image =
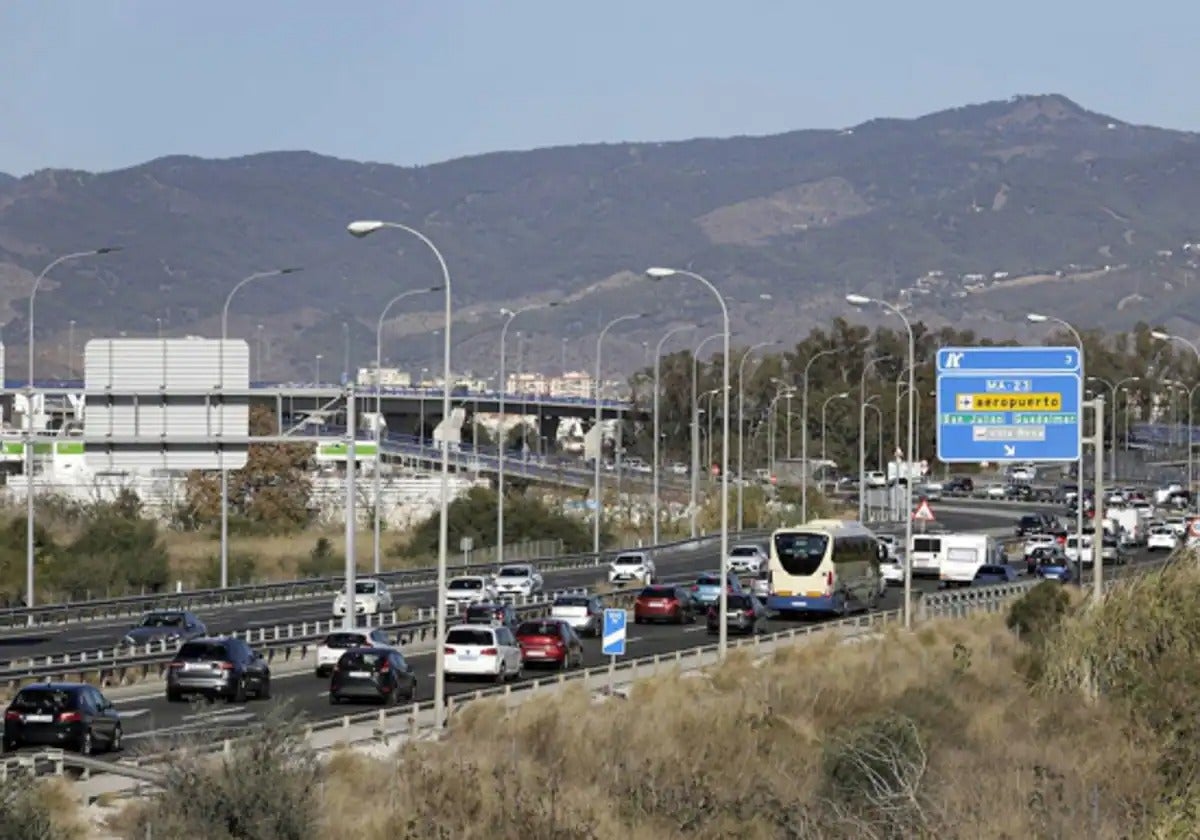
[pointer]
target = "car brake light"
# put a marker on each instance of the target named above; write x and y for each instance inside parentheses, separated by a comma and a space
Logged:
(448, 651)
(385, 668)
(69, 717)
(226, 666)
(488, 652)
(174, 666)
(12, 715)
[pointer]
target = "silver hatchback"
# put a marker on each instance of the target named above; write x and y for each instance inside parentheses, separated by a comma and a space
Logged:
(224, 667)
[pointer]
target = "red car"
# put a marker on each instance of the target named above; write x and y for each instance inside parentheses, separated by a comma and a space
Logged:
(550, 641)
(664, 603)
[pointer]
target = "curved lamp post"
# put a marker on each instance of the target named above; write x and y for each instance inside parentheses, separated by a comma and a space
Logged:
(258, 275)
(659, 273)
(29, 448)
(377, 479)
(365, 228)
(741, 412)
(657, 389)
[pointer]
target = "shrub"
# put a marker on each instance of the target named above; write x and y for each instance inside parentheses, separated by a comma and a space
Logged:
(322, 560)
(267, 788)
(30, 810)
(242, 569)
(1038, 613)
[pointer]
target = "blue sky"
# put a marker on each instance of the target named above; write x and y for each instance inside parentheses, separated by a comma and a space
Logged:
(104, 84)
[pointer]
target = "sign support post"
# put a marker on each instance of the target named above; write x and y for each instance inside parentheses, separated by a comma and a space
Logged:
(614, 641)
(1098, 516)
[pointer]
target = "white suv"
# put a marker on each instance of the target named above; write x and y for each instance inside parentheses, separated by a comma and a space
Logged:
(463, 591)
(370, 598)
(476, 650)
(519, 579)
(747, 559)
(631, 565)
(331, 648)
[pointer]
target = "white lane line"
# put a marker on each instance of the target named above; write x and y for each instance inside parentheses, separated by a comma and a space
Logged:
(694, 629)
(133, 713)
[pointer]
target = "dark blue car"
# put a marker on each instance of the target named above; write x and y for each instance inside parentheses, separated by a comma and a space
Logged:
(1058, 569)
(989, 574)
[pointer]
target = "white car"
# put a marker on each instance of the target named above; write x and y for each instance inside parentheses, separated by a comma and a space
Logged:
(892, 571)
(518, 579)
(476, 650)
(585, 613)
(931, 490)
(679, 468)
(331, 648)
(631, 565)
(996, 491)
(874, 478)
(761, 586)
(747, 559)
(1022, 474)
(371, 597)
(1038, 541)
(463, 591)
(1177, 524)
(1162, 538)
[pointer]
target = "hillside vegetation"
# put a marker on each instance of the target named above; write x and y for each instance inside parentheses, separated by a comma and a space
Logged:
(1056, 721)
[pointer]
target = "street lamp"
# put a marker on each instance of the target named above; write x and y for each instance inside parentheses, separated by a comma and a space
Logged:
(1164, 336)
(1037, 318)
(695, 434)
(657, 391)
(724, 599)
(870, 403)
(804, 430)
(709, 418)
(29, 542)
(365, 228)
(377, 479)
(1113, 388)
(862, 450)
(863, 300)
(741, 412)
(258, 275)
(825, 405)
(600, 431)
(501, 436)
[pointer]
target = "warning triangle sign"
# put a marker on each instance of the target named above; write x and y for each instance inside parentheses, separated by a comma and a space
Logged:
(923, 513)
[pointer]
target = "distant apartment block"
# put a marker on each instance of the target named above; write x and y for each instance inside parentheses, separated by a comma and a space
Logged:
(388, 377)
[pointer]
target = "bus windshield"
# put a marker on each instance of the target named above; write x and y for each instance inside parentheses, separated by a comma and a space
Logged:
(800, 554)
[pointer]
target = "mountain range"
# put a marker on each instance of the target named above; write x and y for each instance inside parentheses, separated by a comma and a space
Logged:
(970, 216)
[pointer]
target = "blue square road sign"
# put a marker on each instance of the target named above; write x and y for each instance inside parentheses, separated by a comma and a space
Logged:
(614, 632)
(1006, 404)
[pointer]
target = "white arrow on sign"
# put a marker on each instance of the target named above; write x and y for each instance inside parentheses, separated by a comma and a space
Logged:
(1009, 451)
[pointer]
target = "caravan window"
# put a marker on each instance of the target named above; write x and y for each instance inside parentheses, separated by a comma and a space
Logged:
(928, 545)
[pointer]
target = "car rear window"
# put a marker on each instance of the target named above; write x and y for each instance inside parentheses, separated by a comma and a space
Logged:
(345, 640)
(708, 580)
(993, 570)
(744, 551)
(45, 700)
(466, 583)
(163, 620)
(539, 628)
(657, 592)
(463, 636)
(203, 650)
(514, 571)
(629, 560)
(485, 612)
(367, 587)
(570, 601)
(365, 660)
(737, 602)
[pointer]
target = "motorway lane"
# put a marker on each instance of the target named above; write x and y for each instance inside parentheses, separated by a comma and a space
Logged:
(104, 634)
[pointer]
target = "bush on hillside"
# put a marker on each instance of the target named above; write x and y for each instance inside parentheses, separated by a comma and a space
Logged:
(322, 561)
(32, 810)
(474, 515)
(242, 568)
(267, 788)
(1038, 613)
(116, 550)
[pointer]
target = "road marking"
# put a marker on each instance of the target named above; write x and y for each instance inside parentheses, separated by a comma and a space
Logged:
(693, 629)
(133, 713)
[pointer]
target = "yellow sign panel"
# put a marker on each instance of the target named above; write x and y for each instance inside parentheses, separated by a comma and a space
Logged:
(1008, 402)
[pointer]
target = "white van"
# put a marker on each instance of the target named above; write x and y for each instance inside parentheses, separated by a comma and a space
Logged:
(926, 554)
(963, 554)
(1072, 549)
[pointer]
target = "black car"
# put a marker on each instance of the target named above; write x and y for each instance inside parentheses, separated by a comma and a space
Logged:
(743, 614)
(496, 615)
(72, 716)
(165, 626)
(958, 485)
(1030, 523)
(379, 674)
(224, 667)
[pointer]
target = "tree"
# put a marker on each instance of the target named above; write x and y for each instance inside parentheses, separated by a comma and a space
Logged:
(474, 515)
(272, 491)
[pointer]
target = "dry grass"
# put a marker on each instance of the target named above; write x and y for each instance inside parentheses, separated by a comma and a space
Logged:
(933, 734)
(746, 753)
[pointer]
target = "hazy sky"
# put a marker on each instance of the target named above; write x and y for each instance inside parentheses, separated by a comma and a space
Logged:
(103, 84)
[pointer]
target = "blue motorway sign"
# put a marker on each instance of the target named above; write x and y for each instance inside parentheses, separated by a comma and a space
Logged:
(1009, 404)
(614, 632)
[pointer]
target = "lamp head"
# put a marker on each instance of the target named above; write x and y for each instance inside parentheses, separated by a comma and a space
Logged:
(843, 395)
(659, 273)
(1160, 335)
(363, 228)
(857, 300)
(110, 249)
(290, 270)
(1035, 318)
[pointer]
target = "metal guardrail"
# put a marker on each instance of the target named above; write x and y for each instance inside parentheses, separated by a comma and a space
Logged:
(282, 643)
(125, 607)
(406, 721)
